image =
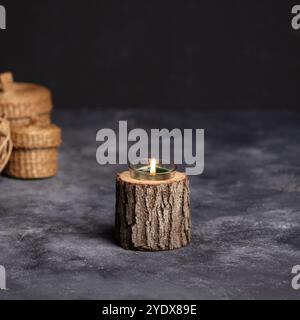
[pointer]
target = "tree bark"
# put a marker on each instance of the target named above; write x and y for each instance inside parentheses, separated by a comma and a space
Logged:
(152, 215)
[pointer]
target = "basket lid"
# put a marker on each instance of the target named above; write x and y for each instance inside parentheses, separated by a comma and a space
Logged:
(36, 137)
(18, 99)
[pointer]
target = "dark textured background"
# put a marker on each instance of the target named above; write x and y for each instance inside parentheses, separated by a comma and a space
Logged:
(202, 54)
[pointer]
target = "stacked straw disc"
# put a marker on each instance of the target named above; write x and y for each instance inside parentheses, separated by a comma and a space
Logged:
(35, 152)
(5, 143)
(19, 102)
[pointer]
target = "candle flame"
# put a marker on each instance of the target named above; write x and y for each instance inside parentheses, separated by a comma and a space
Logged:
(152, 166)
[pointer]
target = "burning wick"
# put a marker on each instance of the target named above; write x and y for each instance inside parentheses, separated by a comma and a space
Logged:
(152, 166)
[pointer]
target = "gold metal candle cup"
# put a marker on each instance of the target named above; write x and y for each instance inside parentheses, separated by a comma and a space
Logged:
(142, 171)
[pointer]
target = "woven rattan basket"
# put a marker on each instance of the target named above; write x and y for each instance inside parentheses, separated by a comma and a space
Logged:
(35, 153)
(5, 143)
(19, 102)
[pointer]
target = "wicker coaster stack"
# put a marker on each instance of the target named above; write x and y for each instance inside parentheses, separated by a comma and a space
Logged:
(19, 102)
(35, 152)
(35, 140)
(5, 143)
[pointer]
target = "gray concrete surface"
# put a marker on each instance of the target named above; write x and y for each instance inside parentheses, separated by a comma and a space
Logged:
(56, 235)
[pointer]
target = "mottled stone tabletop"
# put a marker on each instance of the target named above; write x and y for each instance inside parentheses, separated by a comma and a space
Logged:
(56, 235)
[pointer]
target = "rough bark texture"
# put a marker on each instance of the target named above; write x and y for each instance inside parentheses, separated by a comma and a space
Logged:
(152, 215)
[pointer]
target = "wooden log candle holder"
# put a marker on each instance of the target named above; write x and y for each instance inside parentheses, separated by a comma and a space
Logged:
(152, 215)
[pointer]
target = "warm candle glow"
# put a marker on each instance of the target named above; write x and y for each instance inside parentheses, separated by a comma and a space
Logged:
(153, 166)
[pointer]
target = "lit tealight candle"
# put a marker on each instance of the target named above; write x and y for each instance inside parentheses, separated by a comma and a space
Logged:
(153, 171)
